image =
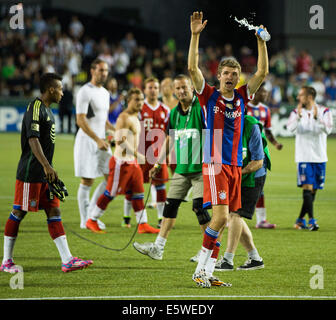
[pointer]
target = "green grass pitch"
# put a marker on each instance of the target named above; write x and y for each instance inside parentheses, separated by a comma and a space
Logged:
(288, 254)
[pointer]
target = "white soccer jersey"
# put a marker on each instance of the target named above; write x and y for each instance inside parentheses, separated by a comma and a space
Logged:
(94, 102)
(311, 134)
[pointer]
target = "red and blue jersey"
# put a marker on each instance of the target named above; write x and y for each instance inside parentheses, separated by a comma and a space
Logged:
(224, 122)
(261, 112)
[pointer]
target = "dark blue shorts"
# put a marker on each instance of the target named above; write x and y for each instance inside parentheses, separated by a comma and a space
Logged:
(311, 173)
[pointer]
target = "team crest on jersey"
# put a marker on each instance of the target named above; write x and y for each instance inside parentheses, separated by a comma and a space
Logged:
(237, 103)
(163, 115)
(222, 195)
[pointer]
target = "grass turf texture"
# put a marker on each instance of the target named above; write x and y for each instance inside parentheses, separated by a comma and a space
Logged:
(288, 253)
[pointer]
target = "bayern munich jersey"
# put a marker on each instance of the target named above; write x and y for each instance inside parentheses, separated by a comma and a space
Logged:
(311, 134)
(261, 112)
(224, 122)
(153, 117)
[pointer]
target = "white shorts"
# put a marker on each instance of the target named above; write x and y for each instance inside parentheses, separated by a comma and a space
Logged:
(90, 162)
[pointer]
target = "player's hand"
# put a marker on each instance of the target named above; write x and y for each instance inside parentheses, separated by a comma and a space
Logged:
(278, 146)
(102, 145)
(315, 112)
(299, 110)
(51, 174)
(153, 172)
(256, 33)
(196, 24)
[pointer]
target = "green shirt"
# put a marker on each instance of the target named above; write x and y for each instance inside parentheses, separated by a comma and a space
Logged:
(186, 130)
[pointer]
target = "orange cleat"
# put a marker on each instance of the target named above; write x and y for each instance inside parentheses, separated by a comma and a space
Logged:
(93, 226)
(146, 228)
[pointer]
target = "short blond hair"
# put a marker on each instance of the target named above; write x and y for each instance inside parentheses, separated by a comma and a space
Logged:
(151, 79)
(228, 62)
(131, 92)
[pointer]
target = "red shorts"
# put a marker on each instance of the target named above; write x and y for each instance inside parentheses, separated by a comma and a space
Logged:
(222, 186)
(33, 197)
(162, 176)
(124, 176)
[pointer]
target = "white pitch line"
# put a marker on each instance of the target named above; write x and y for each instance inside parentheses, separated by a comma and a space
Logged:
(179, 297)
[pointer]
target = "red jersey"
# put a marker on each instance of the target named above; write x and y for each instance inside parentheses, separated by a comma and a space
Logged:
(261, 112)
(224, 121)
(154, 122)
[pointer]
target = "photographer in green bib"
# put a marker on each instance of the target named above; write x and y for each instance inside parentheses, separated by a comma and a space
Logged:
(184, 131)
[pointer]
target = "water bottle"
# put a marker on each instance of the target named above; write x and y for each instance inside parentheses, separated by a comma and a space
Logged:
(263, 34)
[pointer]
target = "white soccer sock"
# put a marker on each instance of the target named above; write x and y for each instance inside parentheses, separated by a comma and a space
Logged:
(9, 243)
(210, 266)
(159, 208)
(203, 259)
(229, 257)
(141, 216)
(96, 194)
(254, 255)
(63, 248)
(83, 199)
(160, 242)
(260, 214)
(127, 208)
(96, 213)
(153, 194)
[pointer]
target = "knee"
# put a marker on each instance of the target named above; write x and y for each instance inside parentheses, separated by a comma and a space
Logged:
(171, 208)
(19, 213)
(202, 215)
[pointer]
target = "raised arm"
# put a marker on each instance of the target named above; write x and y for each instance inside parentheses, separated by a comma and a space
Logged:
(196, 27)
(262, 66)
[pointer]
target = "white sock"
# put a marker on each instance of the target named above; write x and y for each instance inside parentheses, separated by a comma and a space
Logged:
(153, 193)
(63, 248)
(96, 213)
(260, 214)
(254, 255)
(96, 194)
(229, 257)
(159, 208)
(127, 208)
(160, 242)
(9, 243)
(141, 216)
(83, 199)
(204, 256)
(210, 266)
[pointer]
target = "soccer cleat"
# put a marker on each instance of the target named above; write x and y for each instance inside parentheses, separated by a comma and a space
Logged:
(10, 267)
(201, 279)
(265, 225)
(215, 282)
(196, 257)
(76, 264)
(149, 249)
(146, 228)
(93, 226)
(223, 265)
(312, 225)
(252, 265)
(300, 224)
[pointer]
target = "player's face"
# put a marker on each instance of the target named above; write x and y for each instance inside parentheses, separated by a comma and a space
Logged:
(229, 78)
(262, 94)
(166, 87)
(302, 97)
(152, 90)
(136, 102)
(57, 92)
(183, 90)
(100, 73)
